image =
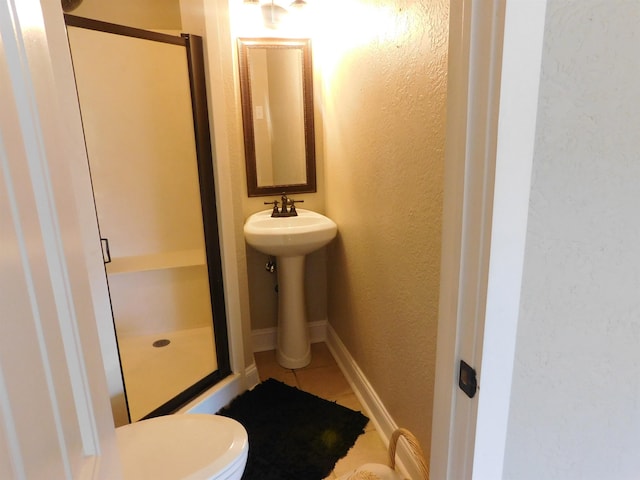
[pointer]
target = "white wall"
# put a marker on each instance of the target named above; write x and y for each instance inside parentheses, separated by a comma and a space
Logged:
(575, 404)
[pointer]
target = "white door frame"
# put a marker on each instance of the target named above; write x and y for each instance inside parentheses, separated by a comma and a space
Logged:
(472, 266)
(494, 68)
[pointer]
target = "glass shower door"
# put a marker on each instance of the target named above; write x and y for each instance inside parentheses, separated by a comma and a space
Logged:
(136, 106)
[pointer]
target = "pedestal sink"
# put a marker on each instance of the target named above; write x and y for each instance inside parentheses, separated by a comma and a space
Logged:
(289, 239)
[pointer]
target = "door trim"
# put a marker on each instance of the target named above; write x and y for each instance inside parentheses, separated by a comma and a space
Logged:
(519, 85)
(492, 108)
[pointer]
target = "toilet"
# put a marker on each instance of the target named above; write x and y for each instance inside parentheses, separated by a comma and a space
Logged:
(183, 447)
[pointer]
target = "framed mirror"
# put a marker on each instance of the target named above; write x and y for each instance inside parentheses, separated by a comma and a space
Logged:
(276, 83)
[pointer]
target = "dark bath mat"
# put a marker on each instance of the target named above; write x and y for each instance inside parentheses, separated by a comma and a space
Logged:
(293, 435)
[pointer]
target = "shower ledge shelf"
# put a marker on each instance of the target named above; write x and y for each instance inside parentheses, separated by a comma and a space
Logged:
(157, 261)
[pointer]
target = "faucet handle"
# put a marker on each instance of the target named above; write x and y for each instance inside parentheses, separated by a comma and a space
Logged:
(275, 212)
(293, 210)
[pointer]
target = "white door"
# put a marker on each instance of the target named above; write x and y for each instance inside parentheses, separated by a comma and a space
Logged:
(55, 418)
(494, 68)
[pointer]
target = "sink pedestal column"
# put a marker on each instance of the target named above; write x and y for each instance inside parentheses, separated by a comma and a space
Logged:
(294, 349)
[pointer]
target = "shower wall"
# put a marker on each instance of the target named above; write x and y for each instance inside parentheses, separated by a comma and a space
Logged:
(145, 180)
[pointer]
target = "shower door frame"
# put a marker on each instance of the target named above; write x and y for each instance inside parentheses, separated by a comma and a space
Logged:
(204, 155)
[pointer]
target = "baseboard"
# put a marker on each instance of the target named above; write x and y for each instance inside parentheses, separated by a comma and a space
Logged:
(378, 414)
(265, 339)
(251, 376)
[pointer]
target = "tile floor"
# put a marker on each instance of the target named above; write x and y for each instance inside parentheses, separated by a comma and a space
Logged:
(324, 379)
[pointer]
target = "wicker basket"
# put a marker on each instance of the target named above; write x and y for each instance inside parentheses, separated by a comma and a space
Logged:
(376, 471)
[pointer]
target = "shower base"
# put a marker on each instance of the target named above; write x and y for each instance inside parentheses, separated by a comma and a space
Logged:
(154, 375)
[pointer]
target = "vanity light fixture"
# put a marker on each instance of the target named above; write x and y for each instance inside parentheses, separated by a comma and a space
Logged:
(273, 14)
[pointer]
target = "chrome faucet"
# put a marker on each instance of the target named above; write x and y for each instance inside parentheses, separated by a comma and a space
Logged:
(288, 208)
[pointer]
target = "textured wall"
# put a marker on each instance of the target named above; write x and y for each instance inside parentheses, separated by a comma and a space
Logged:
(384, 121)
(575, 405)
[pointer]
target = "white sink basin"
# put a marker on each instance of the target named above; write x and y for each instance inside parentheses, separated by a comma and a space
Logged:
(289, 236)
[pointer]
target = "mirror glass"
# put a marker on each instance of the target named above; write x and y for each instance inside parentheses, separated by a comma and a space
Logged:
(276, 84)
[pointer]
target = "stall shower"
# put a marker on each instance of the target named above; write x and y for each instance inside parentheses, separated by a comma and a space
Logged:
(144, 114)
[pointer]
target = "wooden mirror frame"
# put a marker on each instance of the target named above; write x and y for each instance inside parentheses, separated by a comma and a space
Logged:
(244, 45)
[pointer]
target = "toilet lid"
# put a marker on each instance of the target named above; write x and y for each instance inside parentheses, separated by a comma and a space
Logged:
(181, 446)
